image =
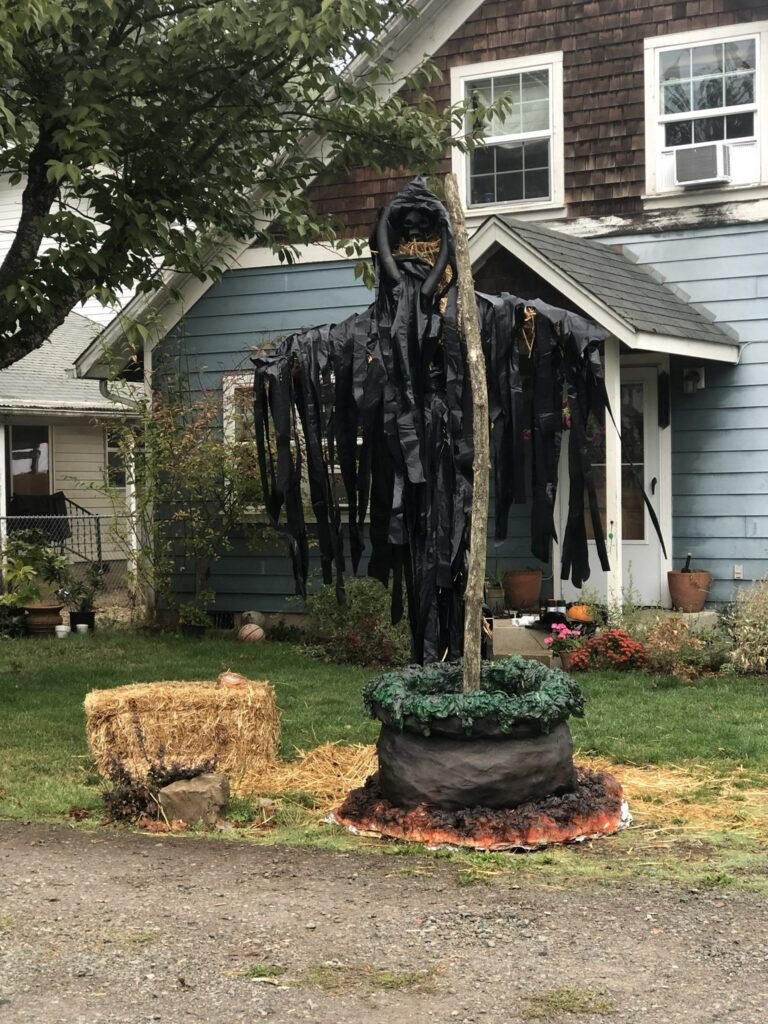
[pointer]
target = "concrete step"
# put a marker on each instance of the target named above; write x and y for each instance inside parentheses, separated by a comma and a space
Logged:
(510, 639)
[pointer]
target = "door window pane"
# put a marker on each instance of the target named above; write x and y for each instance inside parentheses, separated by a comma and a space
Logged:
(30, 460)
(632, 450)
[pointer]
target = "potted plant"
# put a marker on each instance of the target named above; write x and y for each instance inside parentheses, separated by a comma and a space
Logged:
(494, 591)
(564, 642)
(79, 590)
(29, 564)
(507, 743)
(689, 588)
(193, 619)
(522, 588)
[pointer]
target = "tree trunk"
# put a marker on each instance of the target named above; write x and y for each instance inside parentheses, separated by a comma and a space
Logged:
(470, 325)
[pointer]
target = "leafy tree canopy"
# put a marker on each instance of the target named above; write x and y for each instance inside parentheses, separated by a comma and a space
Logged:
(137, 129)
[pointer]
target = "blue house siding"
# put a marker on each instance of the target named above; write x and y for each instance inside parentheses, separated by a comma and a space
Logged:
(218, 335)
(720, 434)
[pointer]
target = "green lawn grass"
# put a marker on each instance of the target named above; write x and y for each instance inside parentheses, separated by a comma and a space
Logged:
(45, 768)
(44, 764)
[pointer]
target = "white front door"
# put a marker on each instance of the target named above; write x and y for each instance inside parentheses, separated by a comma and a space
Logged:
(642, 559)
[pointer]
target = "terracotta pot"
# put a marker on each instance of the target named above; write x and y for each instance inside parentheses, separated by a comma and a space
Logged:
(522, 588)
(566, 659)
(689, 590)
(43, 618)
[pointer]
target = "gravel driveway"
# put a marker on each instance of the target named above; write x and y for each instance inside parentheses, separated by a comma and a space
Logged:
(110, 927)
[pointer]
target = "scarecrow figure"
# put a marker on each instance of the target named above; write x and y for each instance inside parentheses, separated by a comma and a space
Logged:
(383, 400)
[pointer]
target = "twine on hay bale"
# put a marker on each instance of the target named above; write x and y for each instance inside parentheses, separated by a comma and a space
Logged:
(184, 722)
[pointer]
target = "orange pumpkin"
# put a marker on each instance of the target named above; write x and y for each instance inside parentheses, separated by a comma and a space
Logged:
(580, 613)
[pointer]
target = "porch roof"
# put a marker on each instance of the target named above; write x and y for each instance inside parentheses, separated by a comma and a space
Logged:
(43, 381)
(629, 300)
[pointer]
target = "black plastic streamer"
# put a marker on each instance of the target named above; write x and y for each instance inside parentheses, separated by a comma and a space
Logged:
(382, 401)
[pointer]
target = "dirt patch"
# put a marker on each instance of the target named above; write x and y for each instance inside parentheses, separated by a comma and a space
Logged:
(106, 928)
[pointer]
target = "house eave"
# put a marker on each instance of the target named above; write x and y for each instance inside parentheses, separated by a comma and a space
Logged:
(51, 412)
(494, 233)
(405, 42)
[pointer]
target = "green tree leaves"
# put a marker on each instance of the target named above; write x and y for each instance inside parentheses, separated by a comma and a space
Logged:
(141, 131)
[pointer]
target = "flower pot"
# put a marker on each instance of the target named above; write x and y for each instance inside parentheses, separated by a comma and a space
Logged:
(193, 630)
(43, 618)
(494, 597)
(566, 659)
(522, 588)
(689, 590)
(82, 619)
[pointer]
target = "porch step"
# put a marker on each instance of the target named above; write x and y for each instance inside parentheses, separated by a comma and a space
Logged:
(527, 643)
(708, 617)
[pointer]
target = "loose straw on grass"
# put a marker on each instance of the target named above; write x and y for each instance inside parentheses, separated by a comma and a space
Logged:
(664, 797)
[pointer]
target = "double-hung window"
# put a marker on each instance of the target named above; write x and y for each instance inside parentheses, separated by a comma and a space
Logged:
(706, 89)
(518, 162)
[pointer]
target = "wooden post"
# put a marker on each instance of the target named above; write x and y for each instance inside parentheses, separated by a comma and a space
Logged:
(481, 464)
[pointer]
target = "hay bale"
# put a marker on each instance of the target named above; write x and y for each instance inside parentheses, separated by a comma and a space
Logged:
(184, 722)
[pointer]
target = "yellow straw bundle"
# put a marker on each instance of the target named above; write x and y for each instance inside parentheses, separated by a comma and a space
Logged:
(188, 723)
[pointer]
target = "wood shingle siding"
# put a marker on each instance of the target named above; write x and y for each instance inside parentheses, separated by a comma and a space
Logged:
(602, 44)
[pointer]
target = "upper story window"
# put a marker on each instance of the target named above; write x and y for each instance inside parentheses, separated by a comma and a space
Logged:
(519, 163)
(705, 112)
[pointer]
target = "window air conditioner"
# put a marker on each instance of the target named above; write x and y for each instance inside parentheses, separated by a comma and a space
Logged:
(703, 165)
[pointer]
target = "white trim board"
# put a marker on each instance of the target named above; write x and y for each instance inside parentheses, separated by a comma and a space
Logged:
(495, 233)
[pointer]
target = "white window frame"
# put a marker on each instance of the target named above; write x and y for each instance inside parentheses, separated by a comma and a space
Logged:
(654, 126)
(108, 447)
(551, 62)
(232, 382)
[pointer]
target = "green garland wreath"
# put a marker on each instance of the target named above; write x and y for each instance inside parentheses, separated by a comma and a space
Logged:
(514, 691)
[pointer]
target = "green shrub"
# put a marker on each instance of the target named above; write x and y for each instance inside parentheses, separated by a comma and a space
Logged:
(744, 621)
(359, 632)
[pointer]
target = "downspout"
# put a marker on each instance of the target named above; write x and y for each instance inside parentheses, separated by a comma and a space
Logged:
(3, 485)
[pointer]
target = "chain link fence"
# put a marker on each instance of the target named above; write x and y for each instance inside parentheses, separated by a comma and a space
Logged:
(85, 539)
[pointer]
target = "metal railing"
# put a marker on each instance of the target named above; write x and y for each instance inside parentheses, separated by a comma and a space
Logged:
(83, 537)
(76, 533)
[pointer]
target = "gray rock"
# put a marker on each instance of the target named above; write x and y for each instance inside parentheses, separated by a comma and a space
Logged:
(200, 799)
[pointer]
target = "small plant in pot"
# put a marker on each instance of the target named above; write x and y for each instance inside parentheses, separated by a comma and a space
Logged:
(193, 619)
(30, 567)
(500, 746)
(688, 587)
(564, 641)
(522, 588)
(494, 592)
(79, 590)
